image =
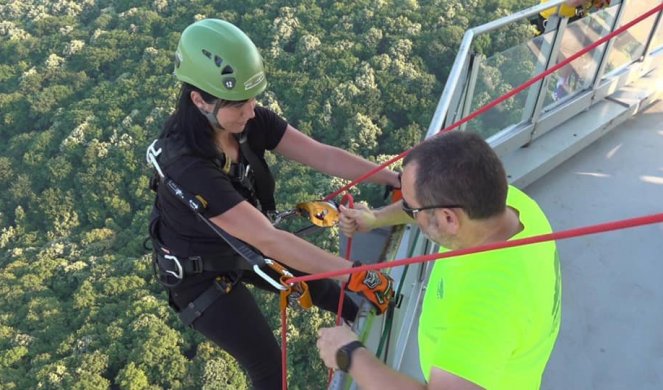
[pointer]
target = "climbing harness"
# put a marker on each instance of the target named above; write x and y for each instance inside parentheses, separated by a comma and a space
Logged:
(171, 269)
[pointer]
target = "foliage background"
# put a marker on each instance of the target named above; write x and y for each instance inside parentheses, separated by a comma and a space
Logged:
(84, 88)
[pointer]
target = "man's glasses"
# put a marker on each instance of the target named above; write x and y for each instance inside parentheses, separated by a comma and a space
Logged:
(412, 212)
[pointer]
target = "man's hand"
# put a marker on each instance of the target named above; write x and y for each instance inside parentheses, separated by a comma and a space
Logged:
(375, 286)
(330, 340)
(359, 219)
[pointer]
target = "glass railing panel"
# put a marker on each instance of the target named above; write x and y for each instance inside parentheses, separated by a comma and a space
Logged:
(497, 75)
(630, 45)
(579, 74)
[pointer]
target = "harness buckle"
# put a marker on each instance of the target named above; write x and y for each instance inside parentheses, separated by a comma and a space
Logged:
(196, 264)
(224, 283)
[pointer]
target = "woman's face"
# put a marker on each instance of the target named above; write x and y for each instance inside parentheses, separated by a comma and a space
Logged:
(233, 118)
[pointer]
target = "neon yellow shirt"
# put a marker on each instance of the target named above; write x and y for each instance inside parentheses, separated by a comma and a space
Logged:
(565, 10)
(493, 317)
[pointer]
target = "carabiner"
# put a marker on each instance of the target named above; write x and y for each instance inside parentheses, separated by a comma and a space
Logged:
(278, 217)
(273, 265)
(151, 156)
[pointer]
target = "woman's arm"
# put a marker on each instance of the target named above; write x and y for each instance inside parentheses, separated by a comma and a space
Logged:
(329, 159)
(246, 223)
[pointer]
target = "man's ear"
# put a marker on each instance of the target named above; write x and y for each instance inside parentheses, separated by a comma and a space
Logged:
(451, 220)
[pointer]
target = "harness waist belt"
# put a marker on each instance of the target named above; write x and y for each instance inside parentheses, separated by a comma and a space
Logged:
(197, 264)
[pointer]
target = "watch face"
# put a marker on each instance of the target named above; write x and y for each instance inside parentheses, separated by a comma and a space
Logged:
(343, 359)
(344, 355)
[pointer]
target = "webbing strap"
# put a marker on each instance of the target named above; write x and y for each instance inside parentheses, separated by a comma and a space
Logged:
(197, 307)
(264, 181)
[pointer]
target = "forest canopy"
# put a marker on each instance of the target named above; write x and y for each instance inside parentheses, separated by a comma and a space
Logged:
(84, 88)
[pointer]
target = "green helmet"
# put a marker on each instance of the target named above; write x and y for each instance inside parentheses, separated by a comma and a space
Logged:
(220, 59)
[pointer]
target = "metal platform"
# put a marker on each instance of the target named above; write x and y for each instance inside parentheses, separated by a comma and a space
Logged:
(612, 308)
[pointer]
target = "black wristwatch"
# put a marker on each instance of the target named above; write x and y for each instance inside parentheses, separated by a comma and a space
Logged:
(344, 355)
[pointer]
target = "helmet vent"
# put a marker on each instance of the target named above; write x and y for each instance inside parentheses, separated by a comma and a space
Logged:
(227, 70)
(207, 54)
(218, 60)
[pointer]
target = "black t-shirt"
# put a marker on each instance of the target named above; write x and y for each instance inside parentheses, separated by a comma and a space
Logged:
(179, 228)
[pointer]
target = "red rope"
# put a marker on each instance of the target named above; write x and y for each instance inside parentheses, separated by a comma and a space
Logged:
(503, 97)
(351, 204)
(284, 349)
(561, 235)
(349, 200)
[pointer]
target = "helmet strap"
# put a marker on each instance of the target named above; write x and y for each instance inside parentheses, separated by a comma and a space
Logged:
(212, 116)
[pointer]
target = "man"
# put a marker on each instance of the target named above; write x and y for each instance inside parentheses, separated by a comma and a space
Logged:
(488, 320)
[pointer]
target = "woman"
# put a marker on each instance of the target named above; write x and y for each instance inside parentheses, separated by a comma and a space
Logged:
(222, 73)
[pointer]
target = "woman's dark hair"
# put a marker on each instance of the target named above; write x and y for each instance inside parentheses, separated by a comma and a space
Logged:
(189, 126)
(460, 168)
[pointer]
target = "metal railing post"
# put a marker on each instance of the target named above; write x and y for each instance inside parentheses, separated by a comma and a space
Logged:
(466, 108)
(600, 70)
(560, 28)
(652, 36)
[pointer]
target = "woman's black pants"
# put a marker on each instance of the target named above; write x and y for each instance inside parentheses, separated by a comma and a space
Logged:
(235, 323)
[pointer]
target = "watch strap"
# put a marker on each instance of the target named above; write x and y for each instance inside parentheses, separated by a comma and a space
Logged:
(348, 349)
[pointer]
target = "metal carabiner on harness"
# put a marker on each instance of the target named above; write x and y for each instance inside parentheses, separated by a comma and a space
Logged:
(167, 269)
(273, 265)
(151, 156)
(277, 217)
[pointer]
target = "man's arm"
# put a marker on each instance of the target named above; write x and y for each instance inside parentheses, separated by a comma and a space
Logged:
(370, 373)
(367, 371)
(363, 219)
